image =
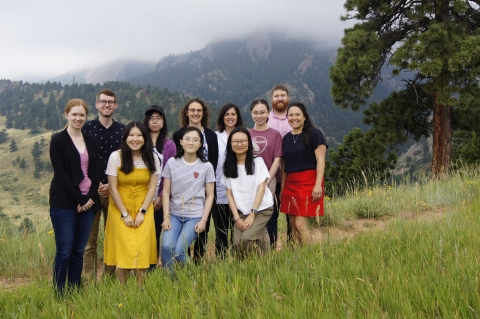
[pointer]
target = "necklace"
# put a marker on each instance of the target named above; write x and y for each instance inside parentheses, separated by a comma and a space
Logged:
(295, 139)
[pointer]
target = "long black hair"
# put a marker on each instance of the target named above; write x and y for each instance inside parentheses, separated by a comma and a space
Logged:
(307, 125)
(180, 150)
(147, 149)
(163, 131)
(221, 115)
(230, 168)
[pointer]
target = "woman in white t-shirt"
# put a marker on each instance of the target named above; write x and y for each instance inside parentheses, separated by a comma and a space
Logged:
(188, 193)
(250, 201)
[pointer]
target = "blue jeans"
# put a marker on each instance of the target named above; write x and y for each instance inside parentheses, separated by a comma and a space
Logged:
(71, 234)
(175, 242)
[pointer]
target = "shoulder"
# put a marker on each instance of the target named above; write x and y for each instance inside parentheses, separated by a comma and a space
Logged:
(118, 125)
(168, 142)
(209, 132)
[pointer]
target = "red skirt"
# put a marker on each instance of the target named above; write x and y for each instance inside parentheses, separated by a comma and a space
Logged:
(297, 195)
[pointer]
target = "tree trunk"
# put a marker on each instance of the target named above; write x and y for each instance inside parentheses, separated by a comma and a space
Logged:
(442, 139)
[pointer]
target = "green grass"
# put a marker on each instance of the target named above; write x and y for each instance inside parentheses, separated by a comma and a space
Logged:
(421, 268)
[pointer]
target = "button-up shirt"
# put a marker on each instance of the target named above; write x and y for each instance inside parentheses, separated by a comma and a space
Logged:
(108, 139)
(279, 124)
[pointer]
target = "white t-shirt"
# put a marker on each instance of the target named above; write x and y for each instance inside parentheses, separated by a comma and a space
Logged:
(245, 187)
(222, 138)
(158, 156)
(115, 161)
(188, 183)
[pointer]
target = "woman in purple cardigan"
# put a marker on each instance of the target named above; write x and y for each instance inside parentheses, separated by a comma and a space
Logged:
(164, 148)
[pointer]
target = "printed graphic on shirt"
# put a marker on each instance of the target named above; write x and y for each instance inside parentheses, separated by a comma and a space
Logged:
(259, 144)
(195, 175)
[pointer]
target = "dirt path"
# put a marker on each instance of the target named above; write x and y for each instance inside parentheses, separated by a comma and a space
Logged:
(348, 229)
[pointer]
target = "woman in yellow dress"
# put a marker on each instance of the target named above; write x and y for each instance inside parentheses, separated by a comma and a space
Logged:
(130, 242)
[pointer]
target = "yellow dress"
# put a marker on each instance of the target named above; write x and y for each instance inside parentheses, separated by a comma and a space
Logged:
(130, 247)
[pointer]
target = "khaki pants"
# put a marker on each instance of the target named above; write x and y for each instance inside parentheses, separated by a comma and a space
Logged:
(252, 238)
(90, 255)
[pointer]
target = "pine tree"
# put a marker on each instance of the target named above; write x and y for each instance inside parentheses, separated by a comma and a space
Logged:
(36, 151)
(13, 146)
(436, 42)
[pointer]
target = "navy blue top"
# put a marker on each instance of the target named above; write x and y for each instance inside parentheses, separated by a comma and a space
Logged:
(296, 155)
(108, 139)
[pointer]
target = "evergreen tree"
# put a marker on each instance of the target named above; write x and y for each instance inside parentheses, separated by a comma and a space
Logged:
(3, 136)
(36, 151)
(23, 163)
(13, 146)
(436, 41)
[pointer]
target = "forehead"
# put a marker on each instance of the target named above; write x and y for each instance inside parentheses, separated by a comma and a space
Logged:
(106, 97)
(77, 109)
(135, 130)
(191, 134)
(155, 113)
(195, 105)
(279, 92)
(295, 110)
(231, 111)
(260, 106)
(239, 136)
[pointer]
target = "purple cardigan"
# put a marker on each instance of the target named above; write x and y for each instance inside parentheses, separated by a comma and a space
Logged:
(169, 151)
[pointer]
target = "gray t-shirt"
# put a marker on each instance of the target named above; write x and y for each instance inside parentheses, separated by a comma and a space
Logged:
(188, 183)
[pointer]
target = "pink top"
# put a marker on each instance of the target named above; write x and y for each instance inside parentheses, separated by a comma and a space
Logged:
(86, 183)
(279, 124)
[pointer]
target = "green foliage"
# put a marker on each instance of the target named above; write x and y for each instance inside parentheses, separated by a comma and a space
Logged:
(435, 41)
(26, 227)
(13, 146)
(359, 156)
(466, 147)
(22, 163)
(36, 151)
(3, 136)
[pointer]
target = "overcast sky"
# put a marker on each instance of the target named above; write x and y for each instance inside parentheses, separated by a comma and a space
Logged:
(42, 39)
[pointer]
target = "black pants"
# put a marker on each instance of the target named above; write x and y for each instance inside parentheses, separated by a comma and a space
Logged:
(223, 221)
(272, 225)
(158, 219)
(200, 246)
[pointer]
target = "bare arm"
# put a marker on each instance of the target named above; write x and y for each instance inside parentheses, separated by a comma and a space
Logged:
(274, 168)
(233, 207)
(209, 190)
(256, 203)
(152, 187)
(320, 157)
(113, 182)
(167, 183)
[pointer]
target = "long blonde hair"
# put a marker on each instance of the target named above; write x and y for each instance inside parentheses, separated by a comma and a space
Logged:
(75, 102)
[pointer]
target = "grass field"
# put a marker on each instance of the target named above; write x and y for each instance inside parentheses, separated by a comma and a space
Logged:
(415, 267)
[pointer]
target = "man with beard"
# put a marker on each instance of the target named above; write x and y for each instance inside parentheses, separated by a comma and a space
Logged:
(109, 135)
(277, 119)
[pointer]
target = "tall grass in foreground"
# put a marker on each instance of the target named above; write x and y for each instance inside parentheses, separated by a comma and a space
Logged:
(412, 269)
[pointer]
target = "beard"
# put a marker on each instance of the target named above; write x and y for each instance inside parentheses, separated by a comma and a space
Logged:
(280, 106)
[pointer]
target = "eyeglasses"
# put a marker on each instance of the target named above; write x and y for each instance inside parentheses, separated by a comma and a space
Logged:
(103, 102)
(263, 113)
(195, 110)
(189, 139)
(236, 142)
(156, 119)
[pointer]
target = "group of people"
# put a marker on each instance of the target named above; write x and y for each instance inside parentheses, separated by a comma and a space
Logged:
(157, 195)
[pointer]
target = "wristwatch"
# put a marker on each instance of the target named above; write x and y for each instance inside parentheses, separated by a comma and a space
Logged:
(254, 211)
(124, 214)
(143, 210)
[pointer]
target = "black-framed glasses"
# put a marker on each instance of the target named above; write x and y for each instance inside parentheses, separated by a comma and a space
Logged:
(104, 102)
(236, 142)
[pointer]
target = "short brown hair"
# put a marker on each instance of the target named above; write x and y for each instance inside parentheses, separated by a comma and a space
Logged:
(107, 92)
(183, 117)
(280, 87)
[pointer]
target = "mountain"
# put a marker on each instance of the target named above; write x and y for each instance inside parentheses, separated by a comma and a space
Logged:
(242, 70)
(119, 70)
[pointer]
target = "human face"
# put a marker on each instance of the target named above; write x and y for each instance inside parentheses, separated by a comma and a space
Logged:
(106, 110)
(239, 143)
(191, 142)
(195, 113)
(280, 100)
(296, 119)
(76, 117)
(155, 122)
(260, 114)
(135, 140)
(230, 118)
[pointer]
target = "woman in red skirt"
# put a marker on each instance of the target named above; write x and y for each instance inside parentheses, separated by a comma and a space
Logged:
(304, 150)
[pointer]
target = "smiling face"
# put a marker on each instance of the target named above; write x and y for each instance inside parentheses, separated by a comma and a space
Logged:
(230, 119)
(191, 142)
(239, 143)
(195, 114)
(260, 114)
(135, 140)
(155, 122)
(296, 118)
(76, 117)
(280, 100)
(106, 105)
